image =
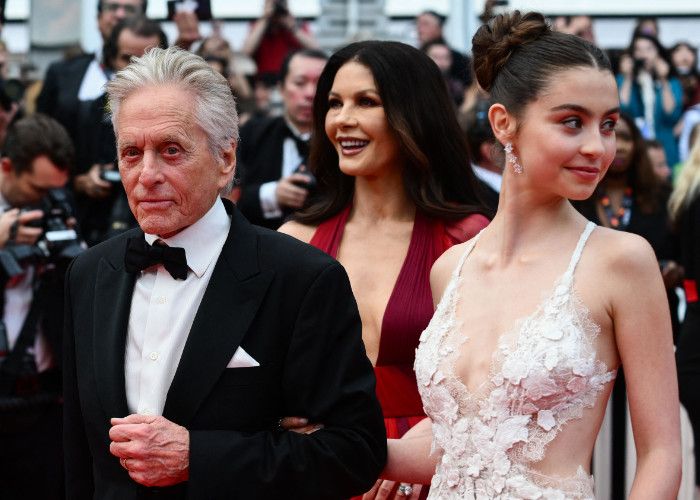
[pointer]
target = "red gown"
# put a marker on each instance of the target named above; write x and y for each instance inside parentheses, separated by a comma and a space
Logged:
(408, 311)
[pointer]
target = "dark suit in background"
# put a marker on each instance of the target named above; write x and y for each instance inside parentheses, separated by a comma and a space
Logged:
(291, 308)
(260, 156)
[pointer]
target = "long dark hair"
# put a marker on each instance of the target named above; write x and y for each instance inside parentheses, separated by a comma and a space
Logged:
(663, 53)
(437, 173)
(649, 191)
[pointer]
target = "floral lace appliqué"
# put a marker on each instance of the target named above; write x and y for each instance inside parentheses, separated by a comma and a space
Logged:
(543, 376)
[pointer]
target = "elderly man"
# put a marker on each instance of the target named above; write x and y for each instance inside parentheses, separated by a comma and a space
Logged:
(187, 344)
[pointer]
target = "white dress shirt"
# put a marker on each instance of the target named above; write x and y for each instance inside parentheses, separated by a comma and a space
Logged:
(18, 299)
(492, 179)
(163, 310)
(290, 161)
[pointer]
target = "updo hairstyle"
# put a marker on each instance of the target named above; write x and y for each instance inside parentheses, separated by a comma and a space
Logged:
(517, 55)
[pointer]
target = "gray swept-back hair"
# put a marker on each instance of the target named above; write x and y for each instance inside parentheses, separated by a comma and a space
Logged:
(215, 107)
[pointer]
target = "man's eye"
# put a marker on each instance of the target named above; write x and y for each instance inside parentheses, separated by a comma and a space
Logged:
(171, 150)
(130, 152)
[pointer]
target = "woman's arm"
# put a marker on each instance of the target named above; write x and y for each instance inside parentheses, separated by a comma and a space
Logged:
(642, 326)
(409, 458)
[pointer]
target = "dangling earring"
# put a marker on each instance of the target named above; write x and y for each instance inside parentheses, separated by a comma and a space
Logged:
(512, 159)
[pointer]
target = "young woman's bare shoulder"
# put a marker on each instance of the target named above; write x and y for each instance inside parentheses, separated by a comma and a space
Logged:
(299, 231)
(443, 267)
(624, 255)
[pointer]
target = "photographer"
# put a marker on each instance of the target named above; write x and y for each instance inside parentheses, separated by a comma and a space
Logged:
(35, 160)
(274, 35)
(272, 152)
(650, 92)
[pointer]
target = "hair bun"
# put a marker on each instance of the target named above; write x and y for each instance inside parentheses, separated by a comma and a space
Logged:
(494, 42)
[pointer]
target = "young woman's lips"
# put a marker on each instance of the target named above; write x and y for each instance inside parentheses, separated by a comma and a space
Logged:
(585, 173)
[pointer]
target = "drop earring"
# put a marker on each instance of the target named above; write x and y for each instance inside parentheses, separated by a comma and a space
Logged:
(512, 159)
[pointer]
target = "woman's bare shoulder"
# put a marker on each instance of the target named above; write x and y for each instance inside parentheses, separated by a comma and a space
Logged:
(300, 231)
(443, 268)
(623, 252)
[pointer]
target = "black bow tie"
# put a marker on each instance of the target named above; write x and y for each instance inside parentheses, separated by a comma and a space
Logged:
(140, 255)
(301, 144)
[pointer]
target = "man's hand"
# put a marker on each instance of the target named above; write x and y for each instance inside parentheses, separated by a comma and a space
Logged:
(14, 230)
(289, 194)
(299, 425)
(154, 450)
(91, 184)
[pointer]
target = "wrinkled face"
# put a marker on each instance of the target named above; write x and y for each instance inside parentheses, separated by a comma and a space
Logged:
(646, 51)
(170, 176)
(29, 187)
(624, 148)
(566, 138)
(428, 28)
(114, 11)
(299, 88)
(683, 59)
(131, 45)
(659, 163)
(441, 55)
(357, 126)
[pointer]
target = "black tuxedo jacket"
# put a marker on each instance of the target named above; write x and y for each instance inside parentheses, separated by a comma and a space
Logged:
(59, 93)
(259, 155)
(291, 308)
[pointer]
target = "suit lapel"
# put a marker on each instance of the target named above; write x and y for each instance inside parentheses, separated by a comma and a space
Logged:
(113, 293)
(233, 296)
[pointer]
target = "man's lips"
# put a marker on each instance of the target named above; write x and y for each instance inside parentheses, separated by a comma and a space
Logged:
(154, 203)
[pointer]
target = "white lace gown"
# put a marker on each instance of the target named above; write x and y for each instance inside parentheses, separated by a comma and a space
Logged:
(543, 374)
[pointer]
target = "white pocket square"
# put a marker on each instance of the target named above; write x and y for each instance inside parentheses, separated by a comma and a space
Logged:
(242, 359)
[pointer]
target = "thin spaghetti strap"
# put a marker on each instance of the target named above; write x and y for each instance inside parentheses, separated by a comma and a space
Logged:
(460, 264)
(578, 251)
(448, 295)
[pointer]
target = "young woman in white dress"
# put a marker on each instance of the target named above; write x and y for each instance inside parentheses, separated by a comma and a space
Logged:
(536, 314)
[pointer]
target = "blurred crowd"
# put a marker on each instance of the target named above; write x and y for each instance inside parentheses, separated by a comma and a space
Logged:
(652, 187)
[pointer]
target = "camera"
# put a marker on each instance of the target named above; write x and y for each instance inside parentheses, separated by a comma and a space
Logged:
(11, 91)
(58, 244)
(310, 185)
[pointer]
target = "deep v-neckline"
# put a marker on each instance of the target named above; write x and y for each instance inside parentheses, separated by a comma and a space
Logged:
(420, 223)
(518, 326)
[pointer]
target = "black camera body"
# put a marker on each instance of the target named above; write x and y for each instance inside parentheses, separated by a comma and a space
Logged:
(11, 92)
(58, 244)
(310, 184)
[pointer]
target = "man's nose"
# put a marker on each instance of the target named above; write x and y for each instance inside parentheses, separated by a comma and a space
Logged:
(151, 172)
(310, 91)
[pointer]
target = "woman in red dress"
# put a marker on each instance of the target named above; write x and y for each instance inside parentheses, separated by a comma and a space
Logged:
(395, 190)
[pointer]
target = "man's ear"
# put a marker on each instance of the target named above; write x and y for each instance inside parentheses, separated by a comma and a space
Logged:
(228, 160)
(502, 122)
